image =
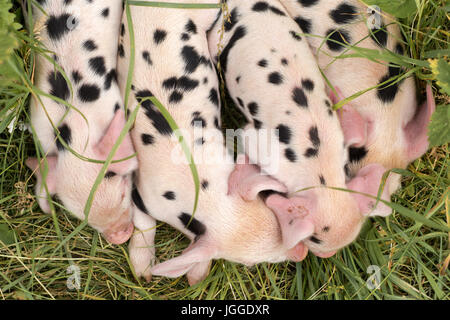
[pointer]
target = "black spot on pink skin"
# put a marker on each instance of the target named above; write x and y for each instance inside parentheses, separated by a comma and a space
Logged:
(147, 139)
(326, 229)
(192, 224)
(205, 184)
(260, 6)
(97, 64)
(308, 84)
(121, 51)
(146, 57)
(137, 200)
(322, 180)
(65, 134)
(58, 26)
(89, 45)
(76, 76)
(337, 39)
(198, 120)
(275, 78)
(169, 195)
(284, 133)
(388, 91)
(234, 15)
(105, 12)
(314, 136)
(190, 27)
(159, 36)
(216, 123)
(192, 59)
(156, 117)
(344, 13)
(110, 77)
(58, 85)
(295, 35)
(307, 3)
(262, 63)
(253, 108)
(185, 37)
(175, 97)
(284, 62)
(304, 24)
(238, 34)
(290, 155)
(311, 152)
(214, 97)
(299, 97)
(89, 92)
(379, 36)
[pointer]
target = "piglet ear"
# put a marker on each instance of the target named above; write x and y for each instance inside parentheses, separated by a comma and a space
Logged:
(125, 149)
(353, 125)
(416, 130)
(201, 252)
(294, 216)
(50, 179)
(368, 181)
(247, 180)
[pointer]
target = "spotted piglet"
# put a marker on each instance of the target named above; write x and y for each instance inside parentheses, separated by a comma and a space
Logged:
(384, 125)
(82, 38)
(172, 63)
(273, 77)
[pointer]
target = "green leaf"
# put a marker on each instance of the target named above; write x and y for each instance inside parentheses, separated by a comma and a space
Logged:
(397, 8)
(439, 129)
(6, 234)
(8, 40)
(441, 71)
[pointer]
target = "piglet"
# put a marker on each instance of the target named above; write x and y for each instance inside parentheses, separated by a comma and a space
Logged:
(384, 125)
(82, 38)
(172, 63)
(273, 77)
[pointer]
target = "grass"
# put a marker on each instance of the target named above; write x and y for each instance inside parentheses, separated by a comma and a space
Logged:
(412, 257)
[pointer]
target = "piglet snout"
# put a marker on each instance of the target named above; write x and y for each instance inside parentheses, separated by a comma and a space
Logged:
(294, 216)
(120, 236)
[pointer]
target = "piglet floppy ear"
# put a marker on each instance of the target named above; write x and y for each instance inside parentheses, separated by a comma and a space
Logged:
(368, 180)
(353, 125)
(125, 149)
(294, 216)
(50, 179)
(247, 180)
(199, 253)
(416, 130)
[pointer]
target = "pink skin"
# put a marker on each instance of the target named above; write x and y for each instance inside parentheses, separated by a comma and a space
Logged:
(120, 236)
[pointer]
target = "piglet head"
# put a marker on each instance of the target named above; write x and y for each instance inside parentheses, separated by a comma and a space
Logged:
(333, 222)
(72, 180)
(390, 138)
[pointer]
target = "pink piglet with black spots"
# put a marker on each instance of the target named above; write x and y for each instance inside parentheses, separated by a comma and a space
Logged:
(173, 64)
(273, 77)
(82, 38)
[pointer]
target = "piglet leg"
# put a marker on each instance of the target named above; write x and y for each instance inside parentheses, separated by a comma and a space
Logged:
(141, 247)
